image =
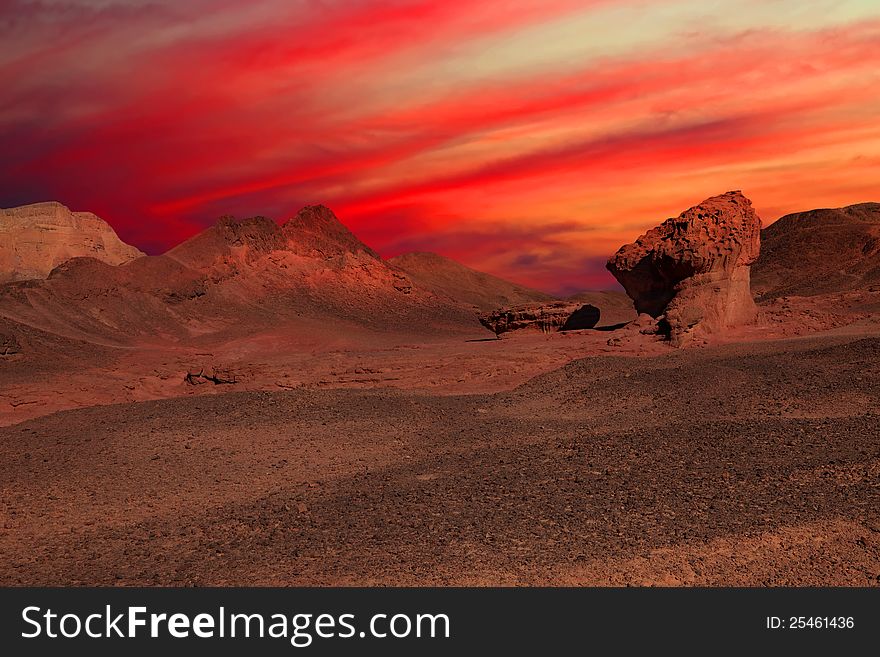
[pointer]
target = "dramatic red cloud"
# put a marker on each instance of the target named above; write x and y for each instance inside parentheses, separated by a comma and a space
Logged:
(528, 138)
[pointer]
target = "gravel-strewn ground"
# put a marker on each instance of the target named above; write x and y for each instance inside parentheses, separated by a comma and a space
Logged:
(740, 464)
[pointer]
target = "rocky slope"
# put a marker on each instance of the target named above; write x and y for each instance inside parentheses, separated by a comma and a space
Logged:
(445, 276)
(693, 270)
(34, 239)
(819, 251)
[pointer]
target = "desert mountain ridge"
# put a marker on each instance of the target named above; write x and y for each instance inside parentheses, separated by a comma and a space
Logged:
(235, 277)
(803, 253)
(314, 232)
(255, 271)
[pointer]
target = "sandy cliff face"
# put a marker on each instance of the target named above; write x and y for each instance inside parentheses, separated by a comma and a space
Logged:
(693, 270)
(34, 239)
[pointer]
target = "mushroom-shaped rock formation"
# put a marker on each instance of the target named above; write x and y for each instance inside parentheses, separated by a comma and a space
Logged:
(692, 272)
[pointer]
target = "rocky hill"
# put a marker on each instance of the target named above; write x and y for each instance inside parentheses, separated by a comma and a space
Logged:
(819, 251)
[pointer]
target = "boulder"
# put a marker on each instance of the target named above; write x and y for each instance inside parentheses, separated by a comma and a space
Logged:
(692, 272)
(547, 317)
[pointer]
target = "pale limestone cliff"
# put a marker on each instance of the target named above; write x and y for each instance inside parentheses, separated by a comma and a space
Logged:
(34, 239)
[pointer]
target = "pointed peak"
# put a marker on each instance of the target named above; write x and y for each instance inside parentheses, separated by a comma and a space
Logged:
(316, 214)
(317, 228)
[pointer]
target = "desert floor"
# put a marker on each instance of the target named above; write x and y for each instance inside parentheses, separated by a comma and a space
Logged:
(591, 458)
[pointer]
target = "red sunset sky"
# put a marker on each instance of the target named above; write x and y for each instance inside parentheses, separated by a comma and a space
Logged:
(527, 138)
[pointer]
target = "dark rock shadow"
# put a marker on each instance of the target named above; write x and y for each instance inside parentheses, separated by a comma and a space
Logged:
(585, 317)
(612, 327)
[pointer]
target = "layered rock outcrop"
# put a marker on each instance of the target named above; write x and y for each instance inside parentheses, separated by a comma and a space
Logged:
(692, 272)
(548, 317)
(34, 239)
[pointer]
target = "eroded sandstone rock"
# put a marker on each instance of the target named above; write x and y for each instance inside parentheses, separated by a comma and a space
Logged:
(35, 239)
(546, 317)
(692, 272)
